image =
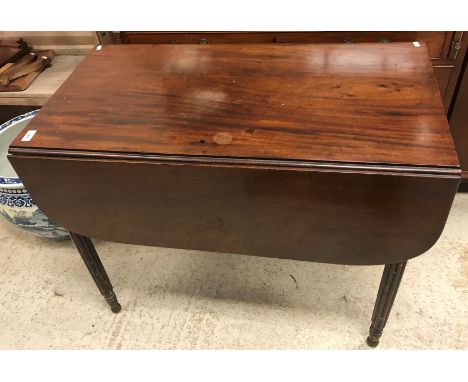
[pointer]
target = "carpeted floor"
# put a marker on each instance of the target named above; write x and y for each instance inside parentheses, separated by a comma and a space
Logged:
(197, 300)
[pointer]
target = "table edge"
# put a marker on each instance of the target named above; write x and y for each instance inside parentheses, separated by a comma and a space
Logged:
(360, 167)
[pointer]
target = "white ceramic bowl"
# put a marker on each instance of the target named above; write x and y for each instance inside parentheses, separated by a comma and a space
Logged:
(15, 203)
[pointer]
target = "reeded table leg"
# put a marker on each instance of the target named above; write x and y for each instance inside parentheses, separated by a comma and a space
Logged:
(388, 289)
(93, 263)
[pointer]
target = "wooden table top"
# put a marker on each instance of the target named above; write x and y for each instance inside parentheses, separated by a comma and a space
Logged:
(356, 103)
(332, 153)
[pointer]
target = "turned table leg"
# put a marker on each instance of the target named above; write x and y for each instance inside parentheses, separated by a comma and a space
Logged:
(388, 289)
(93, 263)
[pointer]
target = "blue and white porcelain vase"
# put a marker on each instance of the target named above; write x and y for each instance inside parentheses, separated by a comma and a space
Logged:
(15, 203)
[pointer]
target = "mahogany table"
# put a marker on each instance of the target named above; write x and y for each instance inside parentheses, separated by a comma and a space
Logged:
(328, 153)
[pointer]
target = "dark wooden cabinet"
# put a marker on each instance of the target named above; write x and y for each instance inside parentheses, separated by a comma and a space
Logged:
(435, 40)
(447, 50)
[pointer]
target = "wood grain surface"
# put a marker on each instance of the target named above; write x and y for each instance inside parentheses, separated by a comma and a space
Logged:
(362, 103)
(342, 217)
(338, 154)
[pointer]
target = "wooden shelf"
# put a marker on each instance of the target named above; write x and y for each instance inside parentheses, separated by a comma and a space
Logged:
(45, 84)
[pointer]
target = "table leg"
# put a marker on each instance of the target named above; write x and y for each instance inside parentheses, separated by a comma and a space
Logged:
(388, 289)
(93, 263)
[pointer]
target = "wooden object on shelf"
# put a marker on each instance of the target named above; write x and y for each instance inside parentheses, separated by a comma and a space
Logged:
(329, 153)
(69, 47)
(75, 43)
(5, 67)
(45, 84)
(11, 50)
(19, 77)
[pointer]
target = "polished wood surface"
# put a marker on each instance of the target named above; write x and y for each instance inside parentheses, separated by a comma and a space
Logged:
(442, 75)
(362, 103)
(442, 45)
(447, 50)
(344, 216)
(195, 150)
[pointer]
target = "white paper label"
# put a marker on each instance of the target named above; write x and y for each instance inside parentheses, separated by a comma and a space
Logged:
(416, 44)
(28, 136)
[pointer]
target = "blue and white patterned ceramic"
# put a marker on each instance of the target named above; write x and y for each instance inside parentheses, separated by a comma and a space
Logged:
(15, 203)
